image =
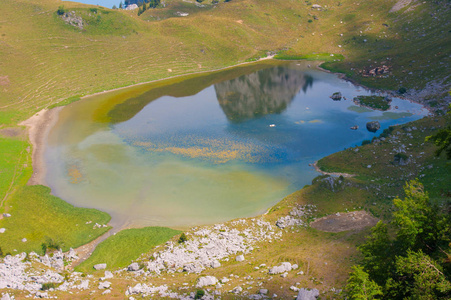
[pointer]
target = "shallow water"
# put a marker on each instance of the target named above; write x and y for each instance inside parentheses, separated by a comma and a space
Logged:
(207, 148)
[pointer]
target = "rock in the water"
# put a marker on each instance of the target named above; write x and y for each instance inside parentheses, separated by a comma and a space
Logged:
(100, 267)
(305, 294)
(336, 96)
(240, 258)
(206, 281)
(355, 127)
(373, 126)
(133, 267)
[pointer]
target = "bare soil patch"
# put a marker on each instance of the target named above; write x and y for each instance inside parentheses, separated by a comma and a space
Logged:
(355, 220)
(4, 80)
(12, 132)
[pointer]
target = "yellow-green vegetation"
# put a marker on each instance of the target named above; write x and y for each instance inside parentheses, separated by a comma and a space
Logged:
(15, 165)
(119, 250)
(379, 167)
(375, 102)
(41, 218)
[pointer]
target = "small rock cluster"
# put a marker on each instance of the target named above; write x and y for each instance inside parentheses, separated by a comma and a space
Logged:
(296, 216)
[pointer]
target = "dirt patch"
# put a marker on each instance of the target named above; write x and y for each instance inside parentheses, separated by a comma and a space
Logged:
(12, 132)
(339, 222)
(4, 80)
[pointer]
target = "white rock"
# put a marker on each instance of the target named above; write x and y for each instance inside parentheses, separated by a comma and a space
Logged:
(108, 275)
(2, 230)
(215, 264)
(206, 281)
(284, 267)
(240, 258)
(6, 297)
(224, 280)
(305, 294)
(293, 288)
(263, 291)
(104, 285)
(106, 292)
(100, 267)
(133, 267)
(294, 267)
(24, 240)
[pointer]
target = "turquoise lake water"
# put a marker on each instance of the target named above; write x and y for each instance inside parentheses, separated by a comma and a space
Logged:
(209, 148)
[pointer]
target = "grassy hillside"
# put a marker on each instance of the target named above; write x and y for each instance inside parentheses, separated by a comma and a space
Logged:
(45, 60)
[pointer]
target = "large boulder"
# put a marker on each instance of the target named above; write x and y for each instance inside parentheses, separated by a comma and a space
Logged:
(206, 281)
(100, 267)
(133, 267)
(305, 294)
(373, 126)
(284, 267)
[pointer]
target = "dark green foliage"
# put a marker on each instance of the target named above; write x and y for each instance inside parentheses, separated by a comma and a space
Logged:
(442, 139)
(378, 253)
(366, 142)
(360, 286)
(1, 252)
(417, 276)
(415, 264)
(61, 11)
(387, 132)
(93, 10)
(183, 238)
(48, 286)
(199, 294)
(402, 90)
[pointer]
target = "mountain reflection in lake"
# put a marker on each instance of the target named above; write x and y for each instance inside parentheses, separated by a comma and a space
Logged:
(207, 148)
(267, 91)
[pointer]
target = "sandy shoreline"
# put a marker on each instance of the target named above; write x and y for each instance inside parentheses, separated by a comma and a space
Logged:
(39, 127)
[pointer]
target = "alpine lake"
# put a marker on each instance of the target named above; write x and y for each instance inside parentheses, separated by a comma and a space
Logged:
(208, 147)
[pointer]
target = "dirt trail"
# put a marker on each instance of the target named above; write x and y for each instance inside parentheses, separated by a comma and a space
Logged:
(315, 165)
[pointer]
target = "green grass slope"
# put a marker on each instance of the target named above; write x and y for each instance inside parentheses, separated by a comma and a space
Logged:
(120, 249)
(40, 217)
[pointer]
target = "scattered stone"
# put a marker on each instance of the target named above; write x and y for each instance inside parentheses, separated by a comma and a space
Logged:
(293, 288)
(336, 96)
(6, 215)
(24, 240)
(2, 230)
(133, 267)
(206, 281)
(373, 126)
(240, 258)
(108, 275)
(104, 285)
(72, 19)
(305, 294)
(263, 291)
(215, 264)
(100, 267)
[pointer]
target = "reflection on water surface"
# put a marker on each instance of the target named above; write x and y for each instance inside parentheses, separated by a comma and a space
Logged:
(207, 148)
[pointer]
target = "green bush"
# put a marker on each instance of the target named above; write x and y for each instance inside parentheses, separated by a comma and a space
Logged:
(48, 286)
(199, 294)
(402, 90)
(61, 11)
(183, 238)
(366, 142)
